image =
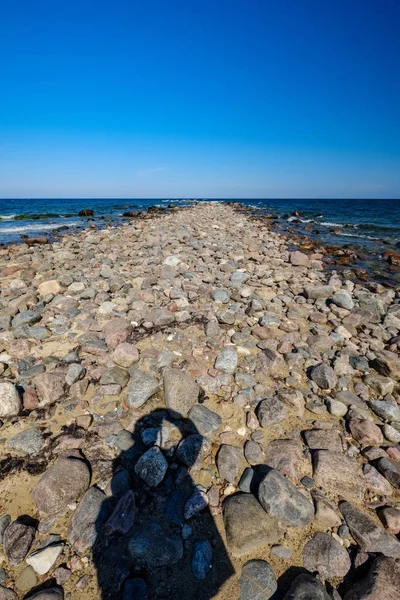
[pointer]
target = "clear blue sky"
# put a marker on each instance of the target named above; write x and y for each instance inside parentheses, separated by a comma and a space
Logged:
(200, 98)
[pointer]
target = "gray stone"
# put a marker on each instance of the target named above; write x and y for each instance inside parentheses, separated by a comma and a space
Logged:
(202, 559)
(17, 540)
(281, 499)
(115, 376)
(380, 583)
(247, 526)
(7, 594)
(281, 551)
(323, 439)
(50, 387)
(229, 460)
(238, 279)
(205, 420)
(227, 360)
(62, 484)
(75, 373)
(343, 299)
(306, 587)
(385, 409)
(29, 441)
(88, 520)
(325, 555)
(151, 546)
(270, 411)
(221, 295)
(190, 449)
(10, 401)
(369, 535)
(181, 392)
(142, 386)
(390, 469)
(257, 581)
(315, 291)
(27, 317)
(324, 376)
(337, 473)
(55, 593)
(152, 466)
(269, 320)
(161, 317)
(254, 453)
(5, 520)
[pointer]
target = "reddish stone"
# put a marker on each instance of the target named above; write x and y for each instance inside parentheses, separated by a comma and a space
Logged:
(30, 399)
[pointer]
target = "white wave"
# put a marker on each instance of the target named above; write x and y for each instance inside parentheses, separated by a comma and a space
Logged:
(363, 237)
(35, 227)
(329, 224)
(7, 217)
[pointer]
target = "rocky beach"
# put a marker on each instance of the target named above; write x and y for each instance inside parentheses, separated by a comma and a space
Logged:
(191, 408)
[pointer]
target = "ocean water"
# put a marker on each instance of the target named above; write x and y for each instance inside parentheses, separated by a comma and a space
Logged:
(372, 226)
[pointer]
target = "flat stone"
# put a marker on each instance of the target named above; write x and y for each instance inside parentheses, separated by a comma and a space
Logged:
(338, 474)
(323, 439)
(161, 317)
(205, 420)
(152, 547)
(75, 373)
(26, 317)
(229, 460)
(257, 581)
(26, 580)
(365, 432)
(315, 291)
(270, 411)
(369, 535)
(181, 392)
(142, 386)
(381, 385)
(10, 401)
(42, 560)
(152, 466)
(299, 259)
(62, 484)
(17, 540)
(29, 441)
(281, 499)
(325, 555)
(88, 520)
(221, 295)
(115, 376)
(248, 527)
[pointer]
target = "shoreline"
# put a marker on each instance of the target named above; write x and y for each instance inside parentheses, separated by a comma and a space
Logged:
(204, 311)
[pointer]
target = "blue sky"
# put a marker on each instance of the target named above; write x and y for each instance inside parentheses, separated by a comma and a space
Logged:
(200, 98)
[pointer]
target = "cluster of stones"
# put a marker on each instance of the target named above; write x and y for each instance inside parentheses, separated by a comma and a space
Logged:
(196, 345)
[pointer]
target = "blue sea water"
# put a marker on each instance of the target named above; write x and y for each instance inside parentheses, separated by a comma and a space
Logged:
(372, 225)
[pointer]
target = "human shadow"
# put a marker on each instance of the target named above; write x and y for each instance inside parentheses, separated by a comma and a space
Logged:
(148, 545)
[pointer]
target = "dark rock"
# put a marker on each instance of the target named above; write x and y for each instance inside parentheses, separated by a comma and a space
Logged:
(380, 583)
(202, 559)
(29, 441)
(152, 466)
(391, 470)
(270, 411)
(122, 517)
(324, 376)
(17, 540)
(306, 587)
(323, 439)
(135, 589)
(281, 499)
(323, 554)
(257, 581)
(86, 212)
(151, 546)
(88, 520)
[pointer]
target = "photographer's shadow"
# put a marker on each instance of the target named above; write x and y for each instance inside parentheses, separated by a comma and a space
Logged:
(151, 546)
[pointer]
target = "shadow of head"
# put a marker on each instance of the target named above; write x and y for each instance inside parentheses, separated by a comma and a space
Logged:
(155, 534)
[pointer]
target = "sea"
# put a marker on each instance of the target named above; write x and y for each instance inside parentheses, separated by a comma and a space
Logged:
(370, 226)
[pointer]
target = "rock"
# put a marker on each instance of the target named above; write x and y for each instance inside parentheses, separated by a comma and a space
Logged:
(75, 373)
(55, 593)
(238, 279)
(269, 320)
(390, 469)
(114, 376)
(152, 466)
(61, 485)
(314, 292)
(306, 587)
(229, 460)
(343, 299)
(257, 581)
(181, 392)
(42, 560)
(227, 360)
(254, 453)
(152, 547)
(10, 401)
(197, 502)
(323, 439)
(7, 594)
(247, 526)
(134, 589)
(335, 472)
(50, 287)
(27, 317)
(29, 441)
(376, 482)
(142, 386)
(326, 514)
(205, 420)
(281, 551)
(123, 516)
(298, 259)
(26, 580)
(161, 317)
(391, 433)
(281, 499)
(365, 432)
(270, 411)
(380, 583)
(5, 520)
(287, 457)
(323, 554)
(190, 449)
(381, 385)
(390, 517)
(370, 536)
(202, 559)
(125, 355)
(221, 295)
(385, 409)
(50, 387)
(88, 520)
(86, 212)
(17, 540)
(324, 376)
